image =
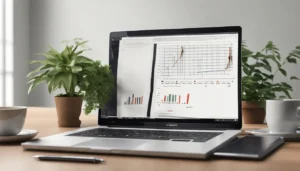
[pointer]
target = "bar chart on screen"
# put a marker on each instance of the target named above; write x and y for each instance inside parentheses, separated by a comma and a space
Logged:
(134, 100)
(176, 99)
(171, 102)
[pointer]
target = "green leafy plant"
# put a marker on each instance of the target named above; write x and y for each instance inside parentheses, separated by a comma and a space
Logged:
(97, 85)
(76, 74)
(258, 82)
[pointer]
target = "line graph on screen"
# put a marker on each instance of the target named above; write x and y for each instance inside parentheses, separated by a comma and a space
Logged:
(195, 60)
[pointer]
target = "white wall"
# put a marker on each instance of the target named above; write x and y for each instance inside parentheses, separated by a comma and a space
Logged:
(56, 20)
(21, 50)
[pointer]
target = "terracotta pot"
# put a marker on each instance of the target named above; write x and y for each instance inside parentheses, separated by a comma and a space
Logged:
(68, 111)
(252, 113)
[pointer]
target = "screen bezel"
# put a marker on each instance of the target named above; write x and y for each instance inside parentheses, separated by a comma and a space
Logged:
(178, 123)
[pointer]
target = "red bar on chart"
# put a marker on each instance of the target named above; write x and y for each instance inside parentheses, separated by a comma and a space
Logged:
(164, 98)
(187, 98)
(141, 99)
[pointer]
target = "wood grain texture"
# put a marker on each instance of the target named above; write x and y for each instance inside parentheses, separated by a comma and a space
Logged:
(13, 157)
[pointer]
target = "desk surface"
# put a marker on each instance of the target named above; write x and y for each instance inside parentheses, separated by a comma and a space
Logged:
(12, 157)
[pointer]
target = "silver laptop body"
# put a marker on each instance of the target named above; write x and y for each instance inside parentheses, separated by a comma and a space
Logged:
(162, 117)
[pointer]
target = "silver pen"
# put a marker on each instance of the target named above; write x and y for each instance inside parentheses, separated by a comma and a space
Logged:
(69, 158)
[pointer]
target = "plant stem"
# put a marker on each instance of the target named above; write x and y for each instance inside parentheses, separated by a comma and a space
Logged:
(72, 91)
(69, 93)
(278, 69)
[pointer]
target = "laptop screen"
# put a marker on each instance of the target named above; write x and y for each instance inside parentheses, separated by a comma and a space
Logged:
(175, 77)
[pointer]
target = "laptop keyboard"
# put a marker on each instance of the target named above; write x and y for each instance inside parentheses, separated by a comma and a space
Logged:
(148, 134)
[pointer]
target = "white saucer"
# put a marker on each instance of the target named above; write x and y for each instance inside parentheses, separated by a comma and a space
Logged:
(266, 132)
(24, 135)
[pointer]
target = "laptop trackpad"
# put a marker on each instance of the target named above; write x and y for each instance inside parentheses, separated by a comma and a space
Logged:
(110, 144)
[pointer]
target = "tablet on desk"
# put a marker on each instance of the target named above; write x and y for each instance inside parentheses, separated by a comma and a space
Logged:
(250, 147)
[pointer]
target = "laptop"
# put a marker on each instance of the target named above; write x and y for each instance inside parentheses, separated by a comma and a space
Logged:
(177, 94)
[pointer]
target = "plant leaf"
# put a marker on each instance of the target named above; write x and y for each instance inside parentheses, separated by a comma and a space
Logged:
(294, 78)
(257, 55)
(55, 54)
(287, 94)
(76, 69)
(55, 71)
(78, 43)
(79, 52)
(58, 80)
(30, 88)
(293, 54)
(260, 64)
(246, 53)
(268, 76)
(36, 82)
(268, 68)
(39, 69)
(72, 63)
(291, 60)
(90, 69)
(258, 76)
(283, 72)
(52, 50)
(278, 56)
(287, 86)
(47, 56)
(266, 62)
(68, 80)
(278, 89)
(82, 59)
(50, 86)
(276, 61)
(246, 71)
(66, 53)
(43, 62)
(31, 79)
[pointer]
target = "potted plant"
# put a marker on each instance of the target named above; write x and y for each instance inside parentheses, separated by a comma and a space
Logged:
(79, 77)
(258, 83)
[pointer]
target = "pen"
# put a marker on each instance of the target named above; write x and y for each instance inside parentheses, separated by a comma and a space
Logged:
(69, 158)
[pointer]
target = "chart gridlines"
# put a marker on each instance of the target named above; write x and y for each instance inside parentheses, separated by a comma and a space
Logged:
(177, 61)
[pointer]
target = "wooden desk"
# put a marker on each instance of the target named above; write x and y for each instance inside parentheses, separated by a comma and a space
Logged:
(12, 157)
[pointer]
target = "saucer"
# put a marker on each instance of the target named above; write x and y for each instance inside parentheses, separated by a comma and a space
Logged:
(24, 135)
(266, 132)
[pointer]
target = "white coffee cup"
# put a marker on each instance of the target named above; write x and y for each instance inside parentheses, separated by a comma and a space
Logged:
(12, 120)
(283, 116)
